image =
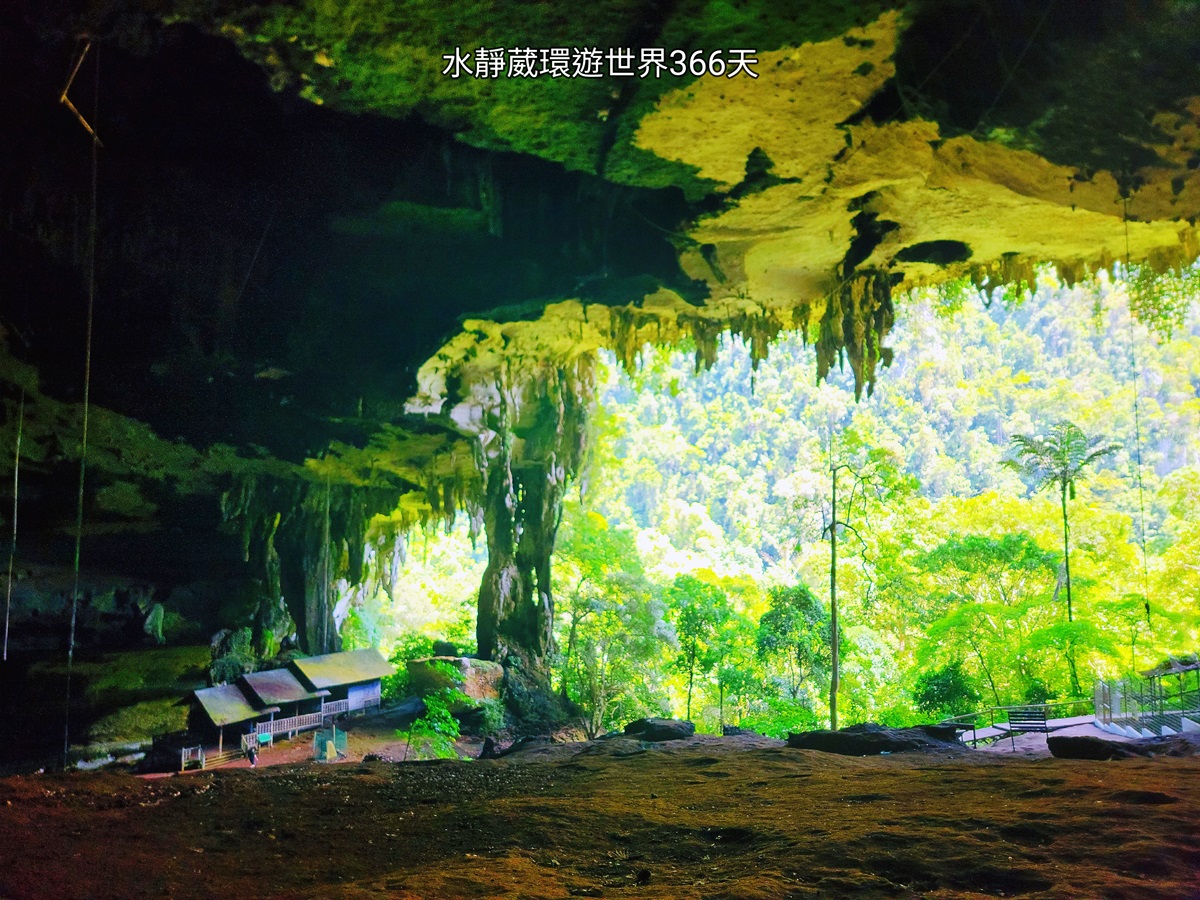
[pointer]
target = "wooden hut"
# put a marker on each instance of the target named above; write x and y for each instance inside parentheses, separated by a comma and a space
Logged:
(352, 678)
(225, 706)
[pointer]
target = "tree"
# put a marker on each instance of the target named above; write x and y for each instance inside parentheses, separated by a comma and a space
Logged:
(873, 474)
(1059, 460)
(701, 609)
(795, 631)
(598, 562)
(947, 691)
(994, 595)
(615, 632)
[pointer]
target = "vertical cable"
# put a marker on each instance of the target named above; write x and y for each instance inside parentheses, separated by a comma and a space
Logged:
(12, 553)
(87, 385)
(326, 612)
(1137, 424)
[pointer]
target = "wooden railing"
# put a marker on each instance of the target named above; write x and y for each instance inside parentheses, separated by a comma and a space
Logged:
(337, 706)
(188, 755)
(292, 723)
(197, 755)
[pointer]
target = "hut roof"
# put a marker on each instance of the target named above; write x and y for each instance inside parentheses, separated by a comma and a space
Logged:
(336, 669)
(226, 704)
(278, 686)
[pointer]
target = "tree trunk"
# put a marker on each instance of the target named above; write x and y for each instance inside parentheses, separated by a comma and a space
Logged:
(833, 638)
(691, 676)
(566, 667)
(1067, 552)
(1076, 689)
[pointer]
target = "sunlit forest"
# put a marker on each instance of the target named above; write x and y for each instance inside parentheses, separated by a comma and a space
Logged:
(692, 570)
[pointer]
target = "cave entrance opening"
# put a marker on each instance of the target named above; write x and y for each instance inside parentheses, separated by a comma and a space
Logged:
(721, 476)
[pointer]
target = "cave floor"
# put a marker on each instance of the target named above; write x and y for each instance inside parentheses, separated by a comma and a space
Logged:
(705, 818)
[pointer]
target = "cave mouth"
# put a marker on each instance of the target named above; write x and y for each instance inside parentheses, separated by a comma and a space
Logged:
(708, 490)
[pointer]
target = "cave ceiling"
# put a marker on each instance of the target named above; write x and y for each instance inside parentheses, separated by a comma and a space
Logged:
(320, 252)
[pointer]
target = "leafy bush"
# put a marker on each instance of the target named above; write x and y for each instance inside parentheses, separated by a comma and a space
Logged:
(437, 730)
(945, 692)
(232, 656)
(492, 718)
(1039, 692)
(781, 716)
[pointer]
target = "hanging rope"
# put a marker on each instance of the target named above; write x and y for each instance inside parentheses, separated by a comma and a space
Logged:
(326, 612)
(87, 369)
(1137, 426)
(12, 553)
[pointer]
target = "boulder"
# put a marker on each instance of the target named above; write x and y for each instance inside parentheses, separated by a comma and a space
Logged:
(870, 739)
(736, 731)
(1071, 746)
(479, 679)
(654, 729)
(408, 709)
(493, 750)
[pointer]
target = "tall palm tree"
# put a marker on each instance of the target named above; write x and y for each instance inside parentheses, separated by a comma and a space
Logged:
(1058, 460)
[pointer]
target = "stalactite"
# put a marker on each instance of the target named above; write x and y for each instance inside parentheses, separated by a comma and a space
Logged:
(285, 524)
(858, 317)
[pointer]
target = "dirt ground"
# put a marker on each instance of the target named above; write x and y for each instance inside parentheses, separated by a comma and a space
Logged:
(704, 818)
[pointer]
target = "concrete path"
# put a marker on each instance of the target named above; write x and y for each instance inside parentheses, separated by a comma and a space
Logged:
(1034, 744)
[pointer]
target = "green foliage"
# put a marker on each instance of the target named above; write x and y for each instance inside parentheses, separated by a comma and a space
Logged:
(611, 627)
(795, 634)
(437, 730)
(394, 688)
(233, 656)
(947, 691)
(1060, 458)
(701, 609)
(723, 476)
(1162, 300)
(139, 723)
(492, 719)
(779, 716)
(1039, 692)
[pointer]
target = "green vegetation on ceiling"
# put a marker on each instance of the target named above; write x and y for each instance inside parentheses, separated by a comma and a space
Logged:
(386, 57)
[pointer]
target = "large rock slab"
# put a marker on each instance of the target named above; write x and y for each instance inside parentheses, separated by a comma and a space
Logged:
(654, 729)
(870, 739)
(1071, 746)
(479, 679)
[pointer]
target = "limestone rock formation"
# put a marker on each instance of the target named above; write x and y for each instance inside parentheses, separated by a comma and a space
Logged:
(1068, 746)
(479, 679)
(656, 729)
(870, 739)
(359, 294)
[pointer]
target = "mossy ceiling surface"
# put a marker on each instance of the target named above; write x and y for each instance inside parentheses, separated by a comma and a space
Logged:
(882, 143)
(847, 153)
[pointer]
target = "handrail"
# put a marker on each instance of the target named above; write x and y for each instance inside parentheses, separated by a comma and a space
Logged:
(992, 719)
(1146, 705)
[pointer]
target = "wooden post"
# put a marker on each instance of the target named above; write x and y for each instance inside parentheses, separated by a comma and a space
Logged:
(221, 740)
